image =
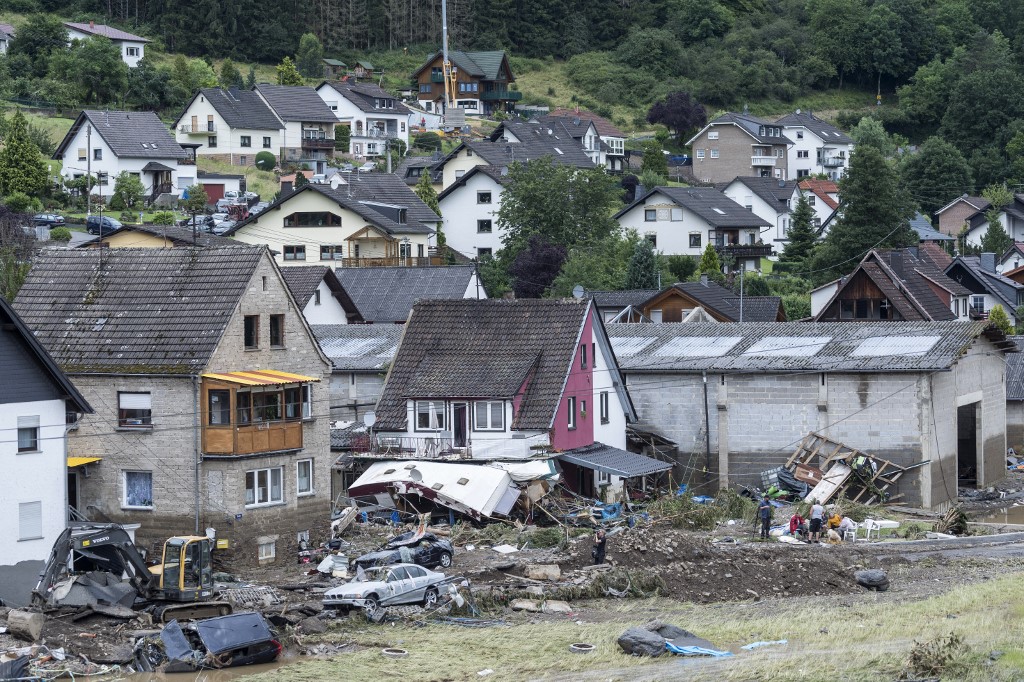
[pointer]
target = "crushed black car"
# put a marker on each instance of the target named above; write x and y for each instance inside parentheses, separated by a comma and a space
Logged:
(409, 548)
(224, 642)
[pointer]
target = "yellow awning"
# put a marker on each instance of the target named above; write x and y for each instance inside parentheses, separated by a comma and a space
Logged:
(262, 377)
(81, 461)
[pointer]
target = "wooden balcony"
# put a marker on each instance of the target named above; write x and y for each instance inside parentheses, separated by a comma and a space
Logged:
(252, 438)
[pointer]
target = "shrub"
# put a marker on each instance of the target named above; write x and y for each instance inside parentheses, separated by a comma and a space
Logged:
(60, 234)
(266, 161)
(18, 202)
(128, 217)
(163, 218)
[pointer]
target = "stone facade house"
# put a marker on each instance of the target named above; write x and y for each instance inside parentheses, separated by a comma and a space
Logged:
(39, 401)
(739, 144)
(210, 392)
(931, 394)
(1015, 397)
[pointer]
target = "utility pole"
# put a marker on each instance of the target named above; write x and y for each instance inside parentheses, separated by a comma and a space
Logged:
(387, 150)
(88, 174)
(743, 269)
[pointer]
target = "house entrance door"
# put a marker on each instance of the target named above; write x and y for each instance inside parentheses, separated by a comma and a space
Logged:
(460, 411)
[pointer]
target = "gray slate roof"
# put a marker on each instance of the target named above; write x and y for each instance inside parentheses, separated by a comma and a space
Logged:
(363, 96)
(105, 31)
(496, 173)
(358, 347)
(485, 349)
(145, 311)
(1015, 370)
(426, 163)
(795, 346)
(601, 457)
(303, 281)
(534, 143)
(714, 207)
(772, 191)
(125, 132)
(752, 126)
(823, 129)
(6, 31)
(387, 294)
(968, 271)
(621, 299)
(724, 301)
(240, 109)
(297, 103)
(925, 232)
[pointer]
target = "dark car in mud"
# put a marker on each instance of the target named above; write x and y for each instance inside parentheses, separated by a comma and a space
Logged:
(410, 548)
(224, 642)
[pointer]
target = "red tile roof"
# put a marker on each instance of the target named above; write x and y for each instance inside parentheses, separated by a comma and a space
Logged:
(822, 189)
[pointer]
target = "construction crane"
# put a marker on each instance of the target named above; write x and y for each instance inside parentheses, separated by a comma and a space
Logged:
(454, 117)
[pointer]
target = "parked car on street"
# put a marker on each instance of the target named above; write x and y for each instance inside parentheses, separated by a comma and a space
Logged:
(367, 167)
(387, 586)
(48, 219)
(94, 222)
(426, 550)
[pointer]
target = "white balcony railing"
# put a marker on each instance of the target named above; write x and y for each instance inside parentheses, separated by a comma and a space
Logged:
(762, 160)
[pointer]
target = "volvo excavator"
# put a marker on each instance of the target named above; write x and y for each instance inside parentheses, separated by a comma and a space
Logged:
(180, 587)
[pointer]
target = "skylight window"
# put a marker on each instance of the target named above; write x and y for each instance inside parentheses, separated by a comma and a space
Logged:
(718, 211)
(558, 150)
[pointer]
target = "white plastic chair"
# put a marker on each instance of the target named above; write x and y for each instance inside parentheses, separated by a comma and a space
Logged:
(850, 534)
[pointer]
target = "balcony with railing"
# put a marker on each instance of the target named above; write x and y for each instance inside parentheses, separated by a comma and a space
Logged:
(317, 143)
(389, 261)
(198, 129)
(758, 160)
(436, 77)
(833, 161)
(745, 250)
(501, 95)
(265, 415)
(443, 445)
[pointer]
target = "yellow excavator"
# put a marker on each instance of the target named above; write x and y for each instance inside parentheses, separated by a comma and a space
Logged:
(181, 586)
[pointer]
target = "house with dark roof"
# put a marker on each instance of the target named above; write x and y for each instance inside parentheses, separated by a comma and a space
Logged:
(553, 388)
(230, 125)
(927, 395)
(988, 288)
(334, 69)
(769, 199)
(372, 115)
(739, 144)
(6, 36)
(209, 389)
(107, 143)
(610, 304)
(320, 296)
(613, 140)
(819, 148)
(1011, 217)
(360, 356)
(892, 284)
(386, 295)
(410, 168)
(155, 237)
(308, 134)
(469, 211)
(480, 81)
(677, 303)
(39, 402)
(584, 132)
(131, 46)
(955, 215)
(926, 233)
(1011, 259)
(371, 219)
(684, 220)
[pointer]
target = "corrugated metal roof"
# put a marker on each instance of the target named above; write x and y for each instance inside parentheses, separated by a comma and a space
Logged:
(355, 347)
(601, 457)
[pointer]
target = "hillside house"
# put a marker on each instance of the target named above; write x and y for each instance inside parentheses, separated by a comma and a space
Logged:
(334, 69)
(107, 143)
(823, 196)
(584, 132)
(230, 125)
(6, 36)
(386, 295)
(131, 46)
(374, 219)
(769, 199)
(372, 115)
(39, 402)
(308, 132)
(1011, 217)
(684, 220)
(320, 296)
(610, 304)
(955, 215)
(930, 394)
(241, 363)
(988, 288)
(819, 148)
(613, 140)
(360, 355)
(739, 145)
(482, 82)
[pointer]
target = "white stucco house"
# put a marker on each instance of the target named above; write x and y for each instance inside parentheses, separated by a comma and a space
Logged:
(319, 294)
(105, 143)
(38, 403)
(469, 211)
(230, 125)
(818, 146)
(373, 115)
(308, 132)
(132, 47)
(769, 199)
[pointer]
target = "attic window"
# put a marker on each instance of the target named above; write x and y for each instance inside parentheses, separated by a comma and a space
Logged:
(437, 486)
(410, 467)
(558, 150)
(463, 481)
(718, 211)
(145, 146)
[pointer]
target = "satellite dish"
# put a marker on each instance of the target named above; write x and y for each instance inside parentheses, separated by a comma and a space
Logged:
(578, 291)
(369, 419)
(415, 474)
(335, 180)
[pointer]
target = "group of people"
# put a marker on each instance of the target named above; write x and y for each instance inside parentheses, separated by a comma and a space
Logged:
(822, 524)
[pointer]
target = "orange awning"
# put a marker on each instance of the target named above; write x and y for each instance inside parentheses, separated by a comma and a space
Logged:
(261, 377)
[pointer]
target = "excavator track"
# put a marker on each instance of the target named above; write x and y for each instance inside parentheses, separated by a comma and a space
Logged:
(165, 613)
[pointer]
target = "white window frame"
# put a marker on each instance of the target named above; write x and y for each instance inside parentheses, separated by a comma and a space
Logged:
(603, 402)
(714, 153)
(492, 409)
(30, 425)
(307, 401)
(125, 504)
(122, 423)
(440, 410)
(267, 551)
(269, 501)
(311, 489)
(571, 410)
(700, 153)
(26, 511)
(712, 135)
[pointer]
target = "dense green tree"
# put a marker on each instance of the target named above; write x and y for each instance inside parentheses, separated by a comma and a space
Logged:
(300, 180)
(995, 240)
(250, 79)
(998, 317)
(597, 267)
(654, 160)
(698, 20)
(802, 235)
(936, 174)
(287, 74)
(148, 87)
(96, 67)
(425, 191)
(681, 267)
(309, 59)
(870, 132)
(265, 160)
(836, 28)
(678, 112)
(650, 179)
(342, 138)
(876, 213)
(230, 76)
(711, 265)
(651, 49)
(21, 167)
(642, 272)
(536, 267)
(128, 191)
(41, 36)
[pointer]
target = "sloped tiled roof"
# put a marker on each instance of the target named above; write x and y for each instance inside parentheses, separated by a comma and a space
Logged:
(241, 109)
(364, 95)
(797, 346)
(772, 191)
(177, 235)
(410, 162)
(725, 302)
(977, 203)
(823, 129)
(934, 254)
(497, 173)
(296, 103)
(1003, 288)
(469, 348)
(135, 311)
(129, 134)
(358, 347)
(925, 232)
(603, 125)
(714, 207)
(822, 189)
(387, 294)
(104, 31)
(752, 126)
(621, 299)
(484, 65)
(535, 142)
(303, 281)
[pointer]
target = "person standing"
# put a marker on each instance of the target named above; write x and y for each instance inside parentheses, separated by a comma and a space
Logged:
(600, 540)
(817, 518)
(764, 512)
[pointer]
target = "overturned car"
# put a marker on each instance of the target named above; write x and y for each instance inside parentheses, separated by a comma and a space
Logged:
(424, 549)
(225, 642)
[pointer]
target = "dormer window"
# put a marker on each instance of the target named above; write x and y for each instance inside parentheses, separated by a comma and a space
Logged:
(489, 415)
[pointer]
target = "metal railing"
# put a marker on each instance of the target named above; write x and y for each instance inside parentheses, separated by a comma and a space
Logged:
(198, 129)
(427, 447)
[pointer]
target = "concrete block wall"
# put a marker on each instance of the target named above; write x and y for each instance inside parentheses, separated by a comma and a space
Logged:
(350, 402)
(1015, 425)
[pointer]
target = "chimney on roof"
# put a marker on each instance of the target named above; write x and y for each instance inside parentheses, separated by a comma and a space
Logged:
(988, 262)
(704, 279)
(896, 263)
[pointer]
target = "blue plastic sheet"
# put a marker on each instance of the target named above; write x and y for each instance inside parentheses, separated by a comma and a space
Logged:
(703, 499)
(611, 511)
(695, 651)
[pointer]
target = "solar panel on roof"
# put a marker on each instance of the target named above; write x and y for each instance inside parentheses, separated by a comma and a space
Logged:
(628, 346)
(880, 346)
(698, 346)
(788, 346)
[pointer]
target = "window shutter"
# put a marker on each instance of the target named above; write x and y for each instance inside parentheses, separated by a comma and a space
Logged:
(677, 214)
(28, 422)
(30, 520)
(134, 401)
